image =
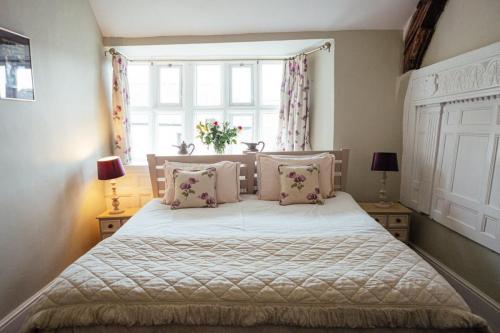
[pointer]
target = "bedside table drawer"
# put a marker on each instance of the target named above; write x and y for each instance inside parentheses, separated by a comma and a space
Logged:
(398, 221)
(382, 219)
(401, 234)
(110, 225)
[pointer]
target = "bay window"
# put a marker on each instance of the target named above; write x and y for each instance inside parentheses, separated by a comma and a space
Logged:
(167, 100)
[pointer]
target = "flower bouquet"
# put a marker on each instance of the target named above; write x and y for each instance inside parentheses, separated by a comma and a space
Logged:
(213, 133)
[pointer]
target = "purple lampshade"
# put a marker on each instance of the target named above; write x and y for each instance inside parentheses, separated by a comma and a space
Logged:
(385, 162)
(110, 167)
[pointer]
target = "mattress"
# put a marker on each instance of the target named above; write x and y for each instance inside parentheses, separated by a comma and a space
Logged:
(252, 266)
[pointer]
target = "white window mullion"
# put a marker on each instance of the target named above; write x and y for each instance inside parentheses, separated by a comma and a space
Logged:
(188, 102)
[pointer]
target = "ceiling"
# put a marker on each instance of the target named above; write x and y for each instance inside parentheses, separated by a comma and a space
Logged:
(148, 18)
(220, 50)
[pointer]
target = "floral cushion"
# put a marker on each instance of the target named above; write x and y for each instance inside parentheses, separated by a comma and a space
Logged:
(194, 188)
(299, 184)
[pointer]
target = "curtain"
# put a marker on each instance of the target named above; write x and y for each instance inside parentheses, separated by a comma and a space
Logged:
(121, 117)
(294, 106)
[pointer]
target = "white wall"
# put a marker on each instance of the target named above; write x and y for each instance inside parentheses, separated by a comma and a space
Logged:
(49, 195)
(321, 77)
(464, 25)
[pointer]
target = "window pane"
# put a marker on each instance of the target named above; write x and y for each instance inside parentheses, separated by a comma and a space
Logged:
(138, 81)
(201, 148)
(241, 85)
(140, 137)
(270, 81)
(208, 85)
(168, 132)
(269, 129)
(246, 135)
(170, 85)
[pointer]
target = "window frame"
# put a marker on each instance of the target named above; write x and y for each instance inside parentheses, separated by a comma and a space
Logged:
(188, 99)
(181, 85)
(229, 89)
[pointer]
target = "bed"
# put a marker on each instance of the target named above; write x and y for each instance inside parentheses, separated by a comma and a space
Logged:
(252, 266)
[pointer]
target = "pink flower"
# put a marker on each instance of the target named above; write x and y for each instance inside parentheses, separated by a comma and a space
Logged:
(292, 174)
(299, 179)
(312, 196)
(192, 180)
(203, 196)
(316, 190)
(211, 202)
(185, 186)
(215, 123)
(284, 195)
(240, 128)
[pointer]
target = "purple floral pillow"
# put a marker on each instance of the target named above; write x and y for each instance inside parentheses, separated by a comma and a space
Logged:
(194, 188)
(299, 184)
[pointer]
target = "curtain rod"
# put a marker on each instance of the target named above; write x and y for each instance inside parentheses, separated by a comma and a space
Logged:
(326, 46)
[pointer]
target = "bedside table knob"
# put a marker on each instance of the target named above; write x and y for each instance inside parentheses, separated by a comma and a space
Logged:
(110, 226)
(398, 220)
(396, 234)
(376, 219)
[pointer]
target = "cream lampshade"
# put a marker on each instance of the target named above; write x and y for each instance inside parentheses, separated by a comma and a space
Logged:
(110, 168)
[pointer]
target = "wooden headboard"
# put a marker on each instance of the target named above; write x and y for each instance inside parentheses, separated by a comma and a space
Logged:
(248, 177)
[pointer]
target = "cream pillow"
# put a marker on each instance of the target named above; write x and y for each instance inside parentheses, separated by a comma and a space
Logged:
(194, 188)
(299, 184)
(228, 179)
(268, 176)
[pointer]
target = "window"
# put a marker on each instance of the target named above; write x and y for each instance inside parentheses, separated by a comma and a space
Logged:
(170, 85)
(208, 85)
(271, 77)
(139, 78)
(241, 85)
(168, 100)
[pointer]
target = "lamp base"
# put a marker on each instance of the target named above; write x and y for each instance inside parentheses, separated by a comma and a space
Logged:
(384, 204)
(113, 212)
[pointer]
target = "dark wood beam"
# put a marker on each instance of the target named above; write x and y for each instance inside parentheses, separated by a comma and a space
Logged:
(420, 31)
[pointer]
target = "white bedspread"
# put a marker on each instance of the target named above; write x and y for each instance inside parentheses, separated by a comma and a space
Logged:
(249, 264)
(253, 217)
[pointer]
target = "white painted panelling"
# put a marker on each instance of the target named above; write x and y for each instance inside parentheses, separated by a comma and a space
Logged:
(471, 155)
(134, 189)
(464, 190)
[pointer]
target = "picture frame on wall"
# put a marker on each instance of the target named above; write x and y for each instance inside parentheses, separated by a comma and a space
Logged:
(16, 75)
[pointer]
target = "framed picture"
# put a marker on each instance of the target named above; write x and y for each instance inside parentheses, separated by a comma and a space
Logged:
(16, 77)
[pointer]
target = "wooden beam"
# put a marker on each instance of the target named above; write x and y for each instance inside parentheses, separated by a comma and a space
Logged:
(420, 32)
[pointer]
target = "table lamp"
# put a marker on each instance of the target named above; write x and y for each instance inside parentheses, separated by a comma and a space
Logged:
(110, 168)
(384, 162)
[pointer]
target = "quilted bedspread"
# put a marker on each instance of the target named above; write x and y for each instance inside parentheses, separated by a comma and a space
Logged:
(357, 281)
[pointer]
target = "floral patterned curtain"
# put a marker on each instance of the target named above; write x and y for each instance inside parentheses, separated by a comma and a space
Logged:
(294, 107)
(121, 124)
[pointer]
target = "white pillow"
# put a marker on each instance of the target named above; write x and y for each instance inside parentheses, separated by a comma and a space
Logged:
(268, 175)
(228, 179)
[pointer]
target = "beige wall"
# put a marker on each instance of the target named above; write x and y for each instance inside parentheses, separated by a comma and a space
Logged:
(465, 25)
(49, 195)
(321, 77)
(367, 115)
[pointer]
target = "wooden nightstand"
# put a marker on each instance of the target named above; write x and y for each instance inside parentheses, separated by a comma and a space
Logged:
(109, 223)
(396, 219)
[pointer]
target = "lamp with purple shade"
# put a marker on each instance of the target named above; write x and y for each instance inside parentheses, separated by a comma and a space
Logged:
(110, 168)
(384, 162)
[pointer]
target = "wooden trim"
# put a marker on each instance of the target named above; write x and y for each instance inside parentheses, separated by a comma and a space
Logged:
(420, 32)
(14, 320)
(480, 303)
(248, 169)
